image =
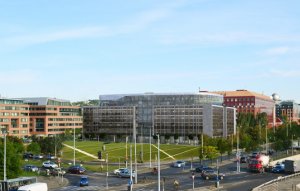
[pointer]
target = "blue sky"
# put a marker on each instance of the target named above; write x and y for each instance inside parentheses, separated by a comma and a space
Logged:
(75, 49)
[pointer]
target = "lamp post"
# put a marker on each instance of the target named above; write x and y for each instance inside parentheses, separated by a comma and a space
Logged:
(237, 152)
(126, 159)
(74, 147)
(106, 171)
(158, 162)
(4, 131)
(130, 183)
(150, 137)
(134, 137)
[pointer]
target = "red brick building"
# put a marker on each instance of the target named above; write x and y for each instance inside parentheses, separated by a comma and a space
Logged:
(249, 102)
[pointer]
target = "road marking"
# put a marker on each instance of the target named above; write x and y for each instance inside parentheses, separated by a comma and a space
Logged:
(81, 151)
(77, 188)
(164, 152)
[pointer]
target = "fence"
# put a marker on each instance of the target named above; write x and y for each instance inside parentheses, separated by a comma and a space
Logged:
(274, 184)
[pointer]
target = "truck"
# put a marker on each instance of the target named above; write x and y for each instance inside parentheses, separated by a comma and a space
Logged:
(34, 187)
(259, 163)
(291, 166)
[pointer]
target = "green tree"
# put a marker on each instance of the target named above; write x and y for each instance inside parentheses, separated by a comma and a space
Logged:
(223, 146)
(34, 148)
(13, 159)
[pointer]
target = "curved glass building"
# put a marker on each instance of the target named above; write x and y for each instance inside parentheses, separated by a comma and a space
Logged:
(174, 114)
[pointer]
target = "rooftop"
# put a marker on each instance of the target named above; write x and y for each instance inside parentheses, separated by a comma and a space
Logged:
(242, 93)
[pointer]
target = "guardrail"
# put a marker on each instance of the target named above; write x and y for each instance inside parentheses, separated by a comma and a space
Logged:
(275, 181)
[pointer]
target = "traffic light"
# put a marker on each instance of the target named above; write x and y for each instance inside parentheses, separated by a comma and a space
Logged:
(99, 155)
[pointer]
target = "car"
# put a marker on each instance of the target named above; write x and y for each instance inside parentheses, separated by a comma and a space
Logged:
(30, 168)
(27, 155)
(202, 168)
(117, 171)
(84, 181)
(126, 173)
(57, 171)
(243, 159)
(179, 164)
(39, 156)
(278, 168)
(212, 174)
(49, 164)
(76, 170)
(50, 157)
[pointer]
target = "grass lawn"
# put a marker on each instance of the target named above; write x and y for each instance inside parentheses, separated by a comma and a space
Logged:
(117, 151)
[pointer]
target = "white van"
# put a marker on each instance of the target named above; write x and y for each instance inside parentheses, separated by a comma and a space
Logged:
(34, 187)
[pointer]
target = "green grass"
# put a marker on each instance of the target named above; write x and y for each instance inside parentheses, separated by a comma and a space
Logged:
(117, 151)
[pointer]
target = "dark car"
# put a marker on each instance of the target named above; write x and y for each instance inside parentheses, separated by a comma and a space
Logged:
(76, 170)
(200, 169)
(30, 168)
(243, 159)
(27, 155)
(84, 181)
(212, 174)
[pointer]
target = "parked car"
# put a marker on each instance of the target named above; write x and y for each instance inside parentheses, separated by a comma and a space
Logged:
(39, 156)
(50, 157)
(202, 168)
(27, 155)
(117, 171)
(179, 164)
(49, 164)
(126, 173)
(76, 170)
(212, 174)
(30, 168)
(84, 181)
(57, 171)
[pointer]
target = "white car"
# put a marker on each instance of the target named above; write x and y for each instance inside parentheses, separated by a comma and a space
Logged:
(179, 164)
(49, 164)
(119, 170)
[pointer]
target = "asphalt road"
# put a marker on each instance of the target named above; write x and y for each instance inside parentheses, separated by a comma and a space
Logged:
(147, 181)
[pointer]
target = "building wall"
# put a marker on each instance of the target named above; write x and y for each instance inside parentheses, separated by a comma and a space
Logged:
(181, 120)
(14, 117)
(290, 109)
(49, 120)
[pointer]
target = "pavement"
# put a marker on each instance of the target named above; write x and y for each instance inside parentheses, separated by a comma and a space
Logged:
(53, 182)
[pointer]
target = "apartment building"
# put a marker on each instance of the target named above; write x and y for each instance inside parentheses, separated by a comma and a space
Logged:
(14, 117)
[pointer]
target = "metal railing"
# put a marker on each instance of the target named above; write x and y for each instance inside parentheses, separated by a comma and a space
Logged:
(273, 184)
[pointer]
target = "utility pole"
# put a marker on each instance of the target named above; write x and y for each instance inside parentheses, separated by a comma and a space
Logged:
(150, 137)
(126, 157)
(134, 137)
(130, 168)
(237, 152)
(4, 131)
(74, 147)
(106, 171)
(158, 162)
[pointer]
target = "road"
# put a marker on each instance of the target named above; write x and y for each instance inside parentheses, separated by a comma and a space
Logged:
(233, 181)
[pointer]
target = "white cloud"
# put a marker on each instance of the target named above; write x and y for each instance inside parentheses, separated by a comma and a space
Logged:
(140, 22)
(227, 38)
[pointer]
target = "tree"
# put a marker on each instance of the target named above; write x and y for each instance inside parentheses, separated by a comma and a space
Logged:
(13, 159)
(34, 148)
(223, 145)
(209, 152)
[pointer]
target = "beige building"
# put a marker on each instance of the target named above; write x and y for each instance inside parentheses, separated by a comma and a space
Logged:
(39, 116)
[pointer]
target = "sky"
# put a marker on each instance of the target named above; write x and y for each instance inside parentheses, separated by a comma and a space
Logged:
(78, 50)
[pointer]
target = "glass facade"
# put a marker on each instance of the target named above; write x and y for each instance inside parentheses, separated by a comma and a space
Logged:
(167, 114)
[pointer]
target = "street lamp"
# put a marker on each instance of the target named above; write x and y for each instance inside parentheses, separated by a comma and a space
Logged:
(106, 171)
(238, 152)
(74, 147)
(158, 162)
(4, 132)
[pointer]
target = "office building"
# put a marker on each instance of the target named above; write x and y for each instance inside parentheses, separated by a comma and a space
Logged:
(249, 102)
(50, 116)
(182, 115)
(290, 109)
(14, 117)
